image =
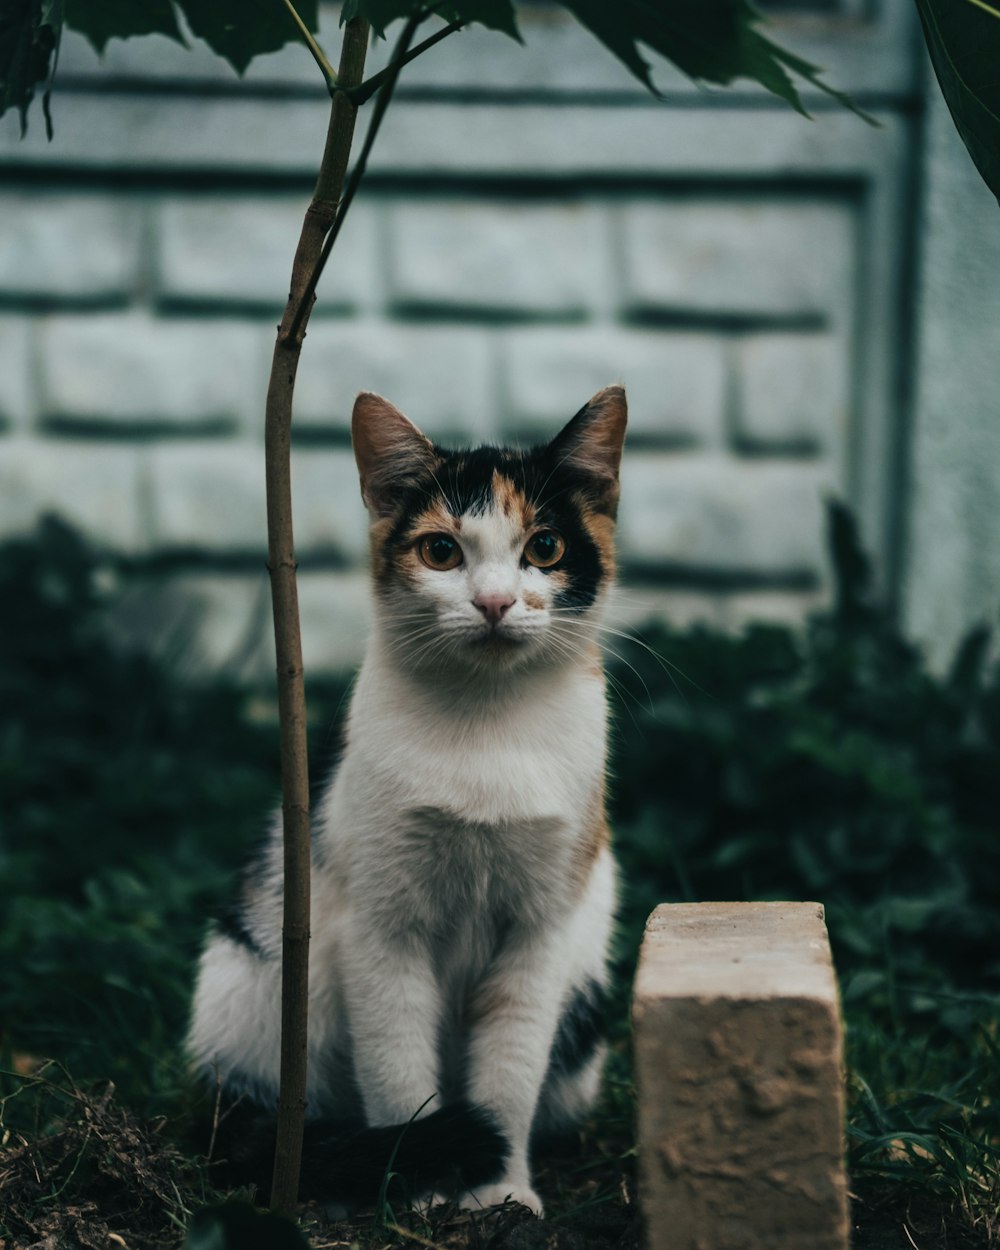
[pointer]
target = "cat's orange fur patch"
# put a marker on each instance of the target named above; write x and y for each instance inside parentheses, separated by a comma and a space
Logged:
(486, 1001)
(594, 837)
(377, 535)
(533, 600)
(506, 496)
(601, 529)
(510, 499)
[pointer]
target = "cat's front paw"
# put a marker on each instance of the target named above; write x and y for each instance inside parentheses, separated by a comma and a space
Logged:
(500, 1192)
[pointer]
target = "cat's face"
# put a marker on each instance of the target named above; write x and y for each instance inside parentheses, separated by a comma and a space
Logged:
(489, 558)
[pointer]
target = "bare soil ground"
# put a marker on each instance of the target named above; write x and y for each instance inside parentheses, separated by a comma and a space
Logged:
(103, 1180)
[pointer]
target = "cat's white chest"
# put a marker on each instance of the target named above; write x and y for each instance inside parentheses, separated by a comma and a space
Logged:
(538, 757)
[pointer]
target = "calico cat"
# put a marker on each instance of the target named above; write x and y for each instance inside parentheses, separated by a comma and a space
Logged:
(463, 886)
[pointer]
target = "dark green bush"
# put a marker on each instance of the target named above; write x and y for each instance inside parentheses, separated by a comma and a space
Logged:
(126, 798)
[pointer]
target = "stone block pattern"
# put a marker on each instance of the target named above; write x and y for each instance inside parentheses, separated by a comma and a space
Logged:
(137, 312)
(739, 1072)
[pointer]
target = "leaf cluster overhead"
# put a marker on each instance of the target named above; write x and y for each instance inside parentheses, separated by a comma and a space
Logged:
(963, 38)
(714, 41)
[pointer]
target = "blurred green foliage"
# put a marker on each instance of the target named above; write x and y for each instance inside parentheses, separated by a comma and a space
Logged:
(826, 763)
(830, 764)
(126, 800)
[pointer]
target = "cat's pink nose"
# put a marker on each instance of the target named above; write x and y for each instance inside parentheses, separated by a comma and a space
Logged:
(493, 606)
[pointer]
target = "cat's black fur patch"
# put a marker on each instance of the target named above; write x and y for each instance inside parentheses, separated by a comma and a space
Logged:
(464, 481)
(230, 921)
(580, 1031)
(453, 1149)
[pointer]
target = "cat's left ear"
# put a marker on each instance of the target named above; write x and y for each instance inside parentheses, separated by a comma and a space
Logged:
(391, 452)
(592, 442)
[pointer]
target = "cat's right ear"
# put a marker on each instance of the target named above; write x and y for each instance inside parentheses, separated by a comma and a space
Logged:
(390, 451)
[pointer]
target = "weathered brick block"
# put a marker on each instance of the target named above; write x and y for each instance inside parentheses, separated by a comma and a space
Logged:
(215, 250)
(791, 390)
(72, 247)
(17, 397)
(675, 381)
(504, 258)
(741, 257)
(440, 376)
(135, 370)
(722, 514)
(95, 487)
(738, 1059)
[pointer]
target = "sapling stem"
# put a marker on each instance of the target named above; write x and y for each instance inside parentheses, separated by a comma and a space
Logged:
(281, 563)
(362, 93)
(381, 104)
(318, 55)
(323, 220)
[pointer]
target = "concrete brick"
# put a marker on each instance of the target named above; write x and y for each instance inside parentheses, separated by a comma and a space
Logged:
(718, 514)
(632, 607)
(335, 609)
(219, 249)
(738, 257)
(211, 496)
(773, 607)
(71, 247)
(17, 390)
(202, 624)
(791, 390)
(738, 1057)
(538, 259)
(132, 369)
(329, 514)
(208, 496)
(207, 624)
(220, 134)
(675, 381)
(94, 486)
(440, 376)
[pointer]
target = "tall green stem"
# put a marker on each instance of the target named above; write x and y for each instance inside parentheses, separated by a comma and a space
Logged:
(319, 218)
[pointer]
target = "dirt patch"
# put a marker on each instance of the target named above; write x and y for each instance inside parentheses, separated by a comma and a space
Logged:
(79, 1172)
(890, 1219)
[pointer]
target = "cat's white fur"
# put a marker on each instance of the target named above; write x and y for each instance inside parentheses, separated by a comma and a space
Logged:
(446, 875)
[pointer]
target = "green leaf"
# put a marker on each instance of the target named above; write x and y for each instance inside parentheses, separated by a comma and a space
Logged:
(239, 30)
(963, 38)
(851, 567)
(239, 1226)
(29, 36)
(494, 14)
(712, 40)
(121, 19)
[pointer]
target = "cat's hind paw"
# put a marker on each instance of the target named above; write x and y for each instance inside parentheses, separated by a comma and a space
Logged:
(499, 1193)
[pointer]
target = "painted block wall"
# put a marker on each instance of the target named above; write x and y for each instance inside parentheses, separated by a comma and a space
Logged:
(534, 227)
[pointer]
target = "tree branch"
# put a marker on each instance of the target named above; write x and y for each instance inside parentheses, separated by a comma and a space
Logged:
(363, 93)
(296, 329)
(318, 55)
(319, 217)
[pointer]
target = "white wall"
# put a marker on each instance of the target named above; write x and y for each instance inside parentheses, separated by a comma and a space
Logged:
(535, 226)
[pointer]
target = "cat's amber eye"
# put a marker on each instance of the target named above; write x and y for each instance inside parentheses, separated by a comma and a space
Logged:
(440, 551)
(545, 549)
